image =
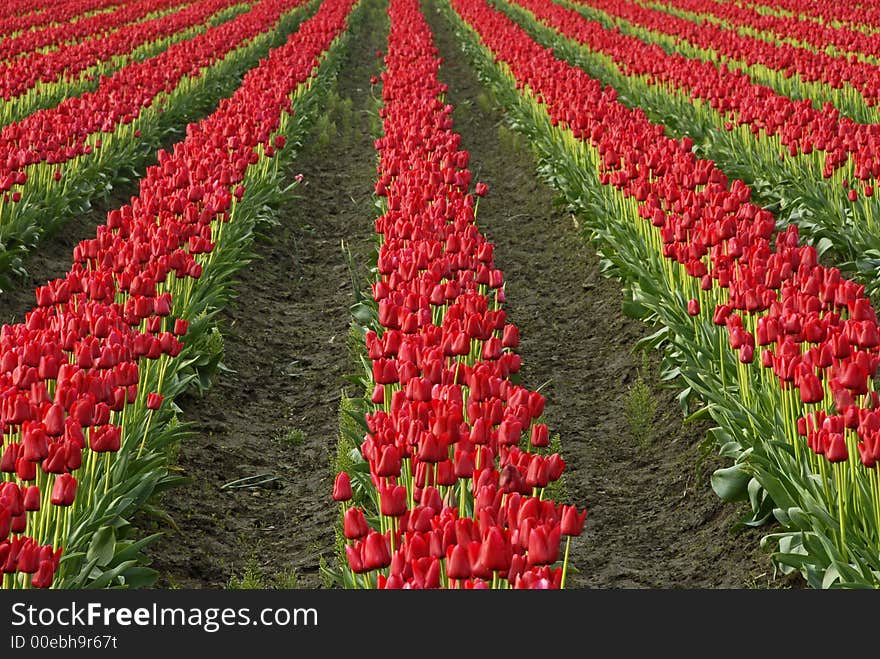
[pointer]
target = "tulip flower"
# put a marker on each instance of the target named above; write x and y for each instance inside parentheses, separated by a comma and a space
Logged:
(543, 548)
(354, 524)
(44, 576)
(64, 490)
(392, 500)
(342, 487)
(376, 553)
(458, 562)
(444, 412)
(540, 437)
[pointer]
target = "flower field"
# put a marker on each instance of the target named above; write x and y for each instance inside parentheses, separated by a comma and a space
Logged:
(439, 294)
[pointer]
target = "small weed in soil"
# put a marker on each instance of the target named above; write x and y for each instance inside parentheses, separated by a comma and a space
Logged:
(254, 579)
(641, 407)
(292, 436)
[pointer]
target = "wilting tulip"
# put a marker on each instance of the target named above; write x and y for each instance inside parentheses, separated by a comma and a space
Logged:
(511, 480)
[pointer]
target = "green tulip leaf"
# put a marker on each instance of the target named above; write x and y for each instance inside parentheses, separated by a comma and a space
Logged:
(731, 483)
(634, 309)
(102, 546)
(139, 576)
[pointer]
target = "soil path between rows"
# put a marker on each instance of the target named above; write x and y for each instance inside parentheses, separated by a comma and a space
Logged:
(653, 520)
(285, 341)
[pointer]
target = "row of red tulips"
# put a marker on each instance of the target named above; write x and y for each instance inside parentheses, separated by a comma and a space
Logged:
(858, 14)
(698, 99)
(457, 453)
(786, 59)
(817, 34)
(32, 74)
(798, 126)
(21, 15)
(57, 135)
(805, 338)
(85, 378)
(82, 28)
(53, 162)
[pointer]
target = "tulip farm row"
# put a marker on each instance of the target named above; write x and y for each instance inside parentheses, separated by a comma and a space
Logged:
(721, 158)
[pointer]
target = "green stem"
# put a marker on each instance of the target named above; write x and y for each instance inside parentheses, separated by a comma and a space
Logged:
(565, 563)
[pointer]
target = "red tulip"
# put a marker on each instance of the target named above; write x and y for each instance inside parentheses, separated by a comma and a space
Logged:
(64, 490)
(572, 522)
(495, 551)
(392, 500)
(835, 448)
(376, 551)
(540, 436)
(32, 498)
(44, 576)
(354, 524)
(458, 564)
(342, 487)
(543, 545)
